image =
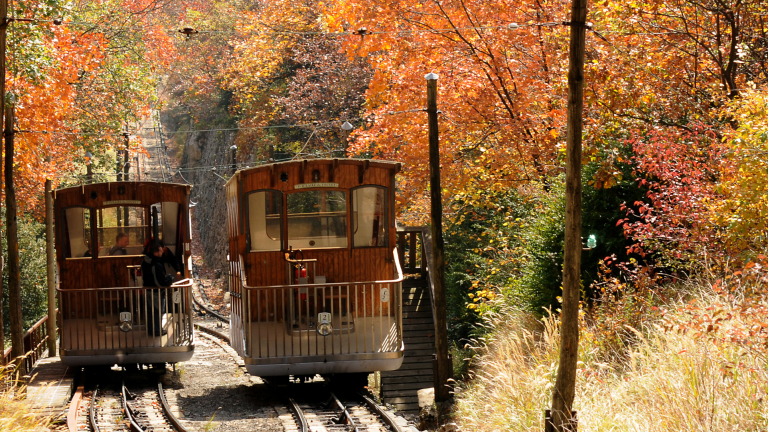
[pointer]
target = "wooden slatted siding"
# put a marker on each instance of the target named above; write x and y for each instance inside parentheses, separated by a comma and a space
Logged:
(400, 388)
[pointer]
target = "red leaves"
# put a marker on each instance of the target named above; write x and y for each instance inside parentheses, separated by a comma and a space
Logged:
(679, 168)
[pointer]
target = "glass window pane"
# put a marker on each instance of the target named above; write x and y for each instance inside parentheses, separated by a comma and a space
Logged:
(121, 230)
(77, 232)
(264, 216)
(369, 216)
(317, 219)
(169, 224)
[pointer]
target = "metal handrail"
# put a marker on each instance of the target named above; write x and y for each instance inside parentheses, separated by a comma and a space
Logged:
(328, 284)
(187, 284)
(428, 259)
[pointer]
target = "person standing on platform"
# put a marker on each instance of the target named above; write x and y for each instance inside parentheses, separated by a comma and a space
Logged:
(153, 270)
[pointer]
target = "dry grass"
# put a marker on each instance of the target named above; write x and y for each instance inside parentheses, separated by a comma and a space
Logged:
(668, 381)
(15, 414)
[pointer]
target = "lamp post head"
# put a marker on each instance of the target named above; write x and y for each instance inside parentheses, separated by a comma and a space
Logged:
(347, 126)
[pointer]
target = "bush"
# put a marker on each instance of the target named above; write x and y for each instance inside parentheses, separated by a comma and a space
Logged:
(34, 282)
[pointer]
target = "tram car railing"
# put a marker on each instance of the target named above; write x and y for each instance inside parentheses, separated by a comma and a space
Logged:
(126, 320)
(322, 322)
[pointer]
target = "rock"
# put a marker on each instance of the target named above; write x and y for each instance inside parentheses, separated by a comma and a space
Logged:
(427, 418)
(192, 150)
(208, 149)
(450, 427)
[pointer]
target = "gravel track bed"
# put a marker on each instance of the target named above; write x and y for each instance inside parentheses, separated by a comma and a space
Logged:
(213, 393)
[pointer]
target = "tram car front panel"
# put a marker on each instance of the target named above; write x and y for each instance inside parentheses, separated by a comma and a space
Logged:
(107, 316)
(315, 281)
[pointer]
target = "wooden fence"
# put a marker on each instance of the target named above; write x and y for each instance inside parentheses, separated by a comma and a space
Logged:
(35, 344)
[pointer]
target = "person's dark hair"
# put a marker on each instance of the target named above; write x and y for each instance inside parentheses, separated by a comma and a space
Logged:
(119, 236)
(154, 248)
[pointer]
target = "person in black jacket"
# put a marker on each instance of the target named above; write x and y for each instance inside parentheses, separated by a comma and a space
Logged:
(167, 256)
(153, 271)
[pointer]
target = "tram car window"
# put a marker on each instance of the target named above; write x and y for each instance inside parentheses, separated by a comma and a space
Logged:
(110, 312)
(317, 219)
(369, 216)
(76, 222)
(316, 285)
(264, 220)
(128, 222)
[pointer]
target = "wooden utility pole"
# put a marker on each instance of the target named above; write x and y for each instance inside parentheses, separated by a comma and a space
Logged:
(565, 384)
(88, 167)
(3, 28)
(12, 242)
(437, 274)
(51, 261)
(126, 170)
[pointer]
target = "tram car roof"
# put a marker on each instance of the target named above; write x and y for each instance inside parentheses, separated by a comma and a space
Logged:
(276, 167)
(119, 192)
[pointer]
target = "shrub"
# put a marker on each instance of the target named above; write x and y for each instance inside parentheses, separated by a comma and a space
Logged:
(34, 282)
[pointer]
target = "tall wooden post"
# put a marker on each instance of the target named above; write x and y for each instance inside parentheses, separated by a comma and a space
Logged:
(126, 164)
(12, 242)
(51, 261)
(126, 171)
(565, 384)
(437, 274)
(3, 27)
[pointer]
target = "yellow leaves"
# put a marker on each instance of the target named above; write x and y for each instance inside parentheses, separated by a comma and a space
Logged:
(744, 202)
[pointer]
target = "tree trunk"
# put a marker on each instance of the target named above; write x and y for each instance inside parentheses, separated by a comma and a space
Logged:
(437, 274)
(565, 384)
(12, 242)
(51, 261)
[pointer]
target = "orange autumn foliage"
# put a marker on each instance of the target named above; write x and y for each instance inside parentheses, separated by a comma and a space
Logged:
(501, 89)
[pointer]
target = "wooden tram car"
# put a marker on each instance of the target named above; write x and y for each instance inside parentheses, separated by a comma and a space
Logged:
(106, 315)
(315, 278)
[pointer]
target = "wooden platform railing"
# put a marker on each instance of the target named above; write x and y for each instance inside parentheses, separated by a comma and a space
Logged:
(414, 246)
(34, 344)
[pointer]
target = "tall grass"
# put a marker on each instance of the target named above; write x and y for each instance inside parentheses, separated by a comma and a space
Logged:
(666, 381)
(15, 412)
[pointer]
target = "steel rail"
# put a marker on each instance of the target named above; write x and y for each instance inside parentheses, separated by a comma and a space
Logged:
(167, 410)
(208, 310)
(92, 412)
(212, 332)
(303, 425)
(74, 407)
(184, 283)
(344, 413)
(129, 414)
(382, 414)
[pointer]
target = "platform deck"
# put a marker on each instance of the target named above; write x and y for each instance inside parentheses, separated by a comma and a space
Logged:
(50, 386)
(400, 387)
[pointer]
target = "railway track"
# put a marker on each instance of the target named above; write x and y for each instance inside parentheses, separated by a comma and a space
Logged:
(115, 409)
(357, 413)
(201, 304)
